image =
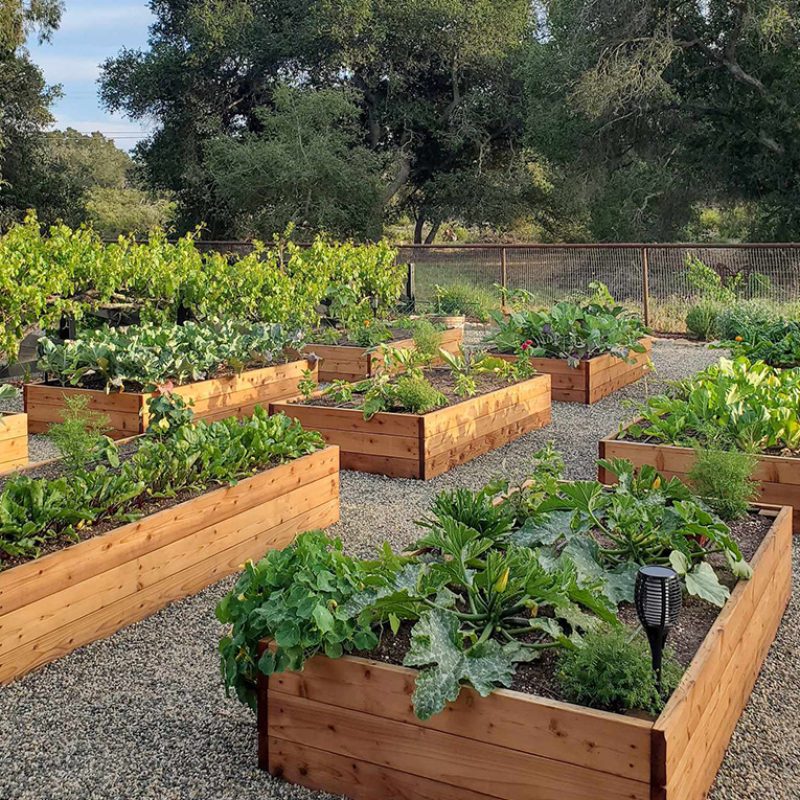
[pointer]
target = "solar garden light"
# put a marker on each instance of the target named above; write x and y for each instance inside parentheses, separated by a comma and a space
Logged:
(374, 302)
(658, 603)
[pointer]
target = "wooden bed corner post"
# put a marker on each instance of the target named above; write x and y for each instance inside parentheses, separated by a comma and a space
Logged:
(262, 690)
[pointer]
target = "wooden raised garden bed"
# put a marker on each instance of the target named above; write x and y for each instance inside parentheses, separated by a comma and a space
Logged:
(68, 598)
(13, 441)
(231, 396)
(347, 726)
(778, 477)
(593, 379)
(423, 446)
(352, 363)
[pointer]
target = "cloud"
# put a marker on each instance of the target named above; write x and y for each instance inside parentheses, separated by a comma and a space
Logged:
(63, 68)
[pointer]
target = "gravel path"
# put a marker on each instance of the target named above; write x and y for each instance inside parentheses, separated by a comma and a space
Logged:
(142, 714)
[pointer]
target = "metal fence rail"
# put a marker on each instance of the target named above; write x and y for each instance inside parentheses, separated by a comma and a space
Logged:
(649, 277)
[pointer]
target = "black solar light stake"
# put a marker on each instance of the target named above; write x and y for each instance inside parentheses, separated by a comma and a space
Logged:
(658, 604)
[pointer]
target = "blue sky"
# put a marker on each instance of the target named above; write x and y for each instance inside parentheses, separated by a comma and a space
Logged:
(90, 32)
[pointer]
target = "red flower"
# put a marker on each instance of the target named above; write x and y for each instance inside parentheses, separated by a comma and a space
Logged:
(527, 344)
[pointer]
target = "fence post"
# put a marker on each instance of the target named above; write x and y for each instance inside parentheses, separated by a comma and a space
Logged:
(646, 286)
(411, 286)
(503, 269)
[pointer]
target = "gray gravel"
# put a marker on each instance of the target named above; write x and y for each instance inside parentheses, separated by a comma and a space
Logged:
(142, 714)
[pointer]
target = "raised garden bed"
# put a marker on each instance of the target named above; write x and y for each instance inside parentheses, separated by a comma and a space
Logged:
(342, 362)
(347, 726)
(593, 378)
(403, 445)
(229, 396)
(13, 441)
(778, 477)
(86, 591)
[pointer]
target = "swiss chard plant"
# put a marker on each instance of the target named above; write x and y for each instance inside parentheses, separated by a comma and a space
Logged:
(148, 356)
(570, 331)
(171, 459)
(735, 404)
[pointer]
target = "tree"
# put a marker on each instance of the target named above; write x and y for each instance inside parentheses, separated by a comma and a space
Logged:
(24, 104)
(435, 82)
(650, 108)
(301, 168)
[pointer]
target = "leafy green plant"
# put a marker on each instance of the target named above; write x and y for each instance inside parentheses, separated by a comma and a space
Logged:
(149, 356)
(722, 478)
(307, 384)
(168, 412)
(607, 533)
(711, 286)
(611, 670)
(298, 598)
(736, 404)
(193, 458)
(776, 343)
(410, 392)
(701, 320)
(80, 437)
(8, 391)
(746, 318)
(427, 338)
(571, 331)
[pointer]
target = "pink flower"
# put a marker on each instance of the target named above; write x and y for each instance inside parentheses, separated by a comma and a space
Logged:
(526, 344)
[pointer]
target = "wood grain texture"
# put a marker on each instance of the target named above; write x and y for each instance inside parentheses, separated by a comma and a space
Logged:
(13, 441)
(347, 726)
(778, 477)
(353, 363)
(91, 589)
(232, 396)
(592, 380)
(425, 445)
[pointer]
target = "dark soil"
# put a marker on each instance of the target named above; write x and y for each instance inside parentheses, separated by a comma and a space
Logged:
(441, 379)
(97, 383)
(696, 619)
(143, 506)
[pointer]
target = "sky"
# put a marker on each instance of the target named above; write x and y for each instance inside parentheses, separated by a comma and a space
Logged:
(90, 32)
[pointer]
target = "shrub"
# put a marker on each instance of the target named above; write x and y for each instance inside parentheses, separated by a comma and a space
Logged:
(416, 395)
(463, 298)
(427, 338)
(722, 479)
(613, 671)
(702, 320)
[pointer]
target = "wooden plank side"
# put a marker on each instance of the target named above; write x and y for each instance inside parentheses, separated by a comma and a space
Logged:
(13, 426)
(348, 419)
(594, 739)
(58, 609)
(42, 394)
(121, 423)
(391, 466)
(354, 778)
(470, 419)
(460, 454)
(445, 419)
(33, 580)
(375, 444)
(128, 610)
(689, 718)
(245, 381)
(455, 760)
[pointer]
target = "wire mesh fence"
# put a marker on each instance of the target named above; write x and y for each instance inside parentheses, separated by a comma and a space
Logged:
(651, 278)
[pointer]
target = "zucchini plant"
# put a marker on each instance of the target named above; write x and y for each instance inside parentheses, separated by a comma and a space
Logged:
(497, 577)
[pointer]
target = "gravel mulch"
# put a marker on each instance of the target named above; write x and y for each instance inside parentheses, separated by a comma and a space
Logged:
(143, 715)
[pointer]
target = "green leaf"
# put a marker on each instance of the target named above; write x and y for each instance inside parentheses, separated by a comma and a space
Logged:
(437, 647)
(702, 582)
(324, 619)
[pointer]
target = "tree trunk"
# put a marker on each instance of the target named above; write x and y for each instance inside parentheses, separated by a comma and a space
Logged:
(418, 227)
(432, 232)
